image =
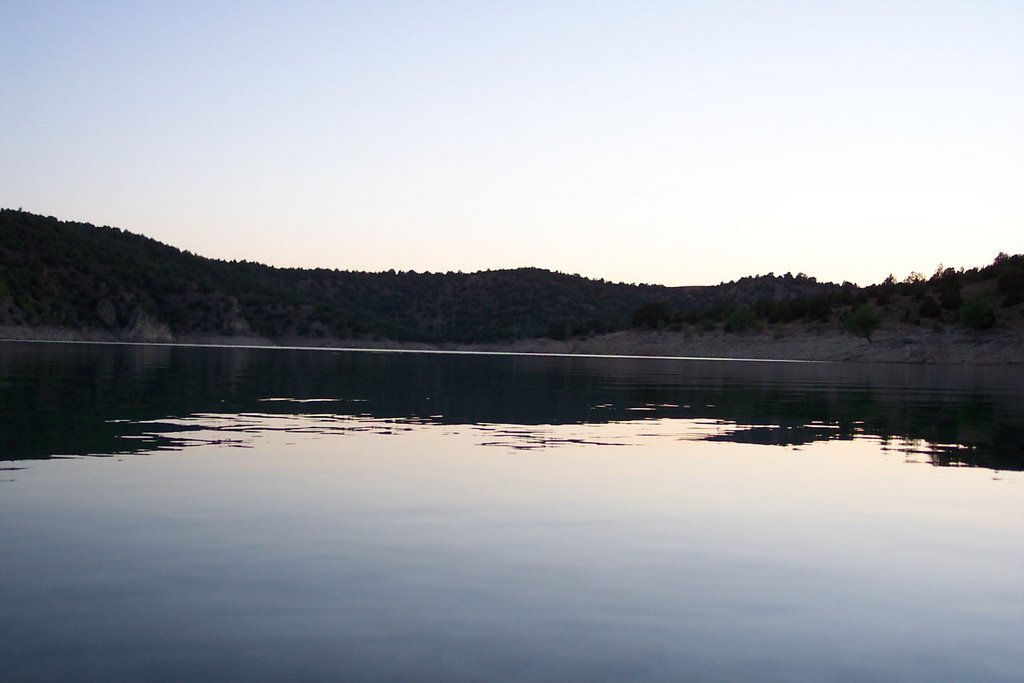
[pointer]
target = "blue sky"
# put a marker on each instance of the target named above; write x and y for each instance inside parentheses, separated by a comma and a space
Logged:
(669, 142)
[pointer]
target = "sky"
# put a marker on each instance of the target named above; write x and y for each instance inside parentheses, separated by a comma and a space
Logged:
(679, 143)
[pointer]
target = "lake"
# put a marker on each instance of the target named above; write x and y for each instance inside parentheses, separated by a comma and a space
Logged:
(240, 514)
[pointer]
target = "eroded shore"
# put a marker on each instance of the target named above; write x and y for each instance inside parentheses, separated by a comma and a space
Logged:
(909, 344)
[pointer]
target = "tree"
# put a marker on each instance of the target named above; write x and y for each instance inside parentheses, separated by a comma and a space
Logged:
(863, 321)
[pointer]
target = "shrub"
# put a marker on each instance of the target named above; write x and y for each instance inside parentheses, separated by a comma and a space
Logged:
(976, 313)
(741, 319)
(1011, 285)
(651, 315)
(863, 321)
(929, 308)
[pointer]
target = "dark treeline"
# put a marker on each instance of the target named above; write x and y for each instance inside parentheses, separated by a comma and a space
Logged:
(976, 298)
(83, 277)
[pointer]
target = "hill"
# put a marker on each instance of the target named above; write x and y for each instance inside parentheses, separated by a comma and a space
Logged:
(81, 277)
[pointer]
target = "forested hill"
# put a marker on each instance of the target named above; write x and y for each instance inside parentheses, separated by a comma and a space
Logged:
(83, 277)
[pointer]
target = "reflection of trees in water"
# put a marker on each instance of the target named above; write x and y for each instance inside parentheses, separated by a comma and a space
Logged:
(81, 399)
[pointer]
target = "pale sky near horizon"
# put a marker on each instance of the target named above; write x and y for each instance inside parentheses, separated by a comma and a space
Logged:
(666, 142)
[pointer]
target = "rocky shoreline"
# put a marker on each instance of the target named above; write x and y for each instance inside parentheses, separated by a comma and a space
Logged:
(909, 344)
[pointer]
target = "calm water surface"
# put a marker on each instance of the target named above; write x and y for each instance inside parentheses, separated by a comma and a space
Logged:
(265, 515)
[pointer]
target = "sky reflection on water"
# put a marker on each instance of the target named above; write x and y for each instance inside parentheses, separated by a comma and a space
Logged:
(396, 532)
(83, 399)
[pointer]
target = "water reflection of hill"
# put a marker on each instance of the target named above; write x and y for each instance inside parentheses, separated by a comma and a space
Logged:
(59, 399)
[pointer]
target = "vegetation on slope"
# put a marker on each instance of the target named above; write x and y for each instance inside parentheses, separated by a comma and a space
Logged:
(83, 277)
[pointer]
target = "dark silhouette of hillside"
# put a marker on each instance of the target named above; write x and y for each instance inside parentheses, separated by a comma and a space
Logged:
(82, 277)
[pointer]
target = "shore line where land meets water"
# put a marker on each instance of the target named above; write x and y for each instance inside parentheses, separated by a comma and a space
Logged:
(910, 345)
(442, 351)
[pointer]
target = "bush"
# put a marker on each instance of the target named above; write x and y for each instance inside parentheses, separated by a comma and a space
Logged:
(741, 319)
(929, 308)
(1011, 285)
(863, 321)
(561, 329)
(652, 315)
(976, 313)
(949, 296)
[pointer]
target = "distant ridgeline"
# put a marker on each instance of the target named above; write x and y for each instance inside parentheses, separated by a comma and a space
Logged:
(82, 277)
